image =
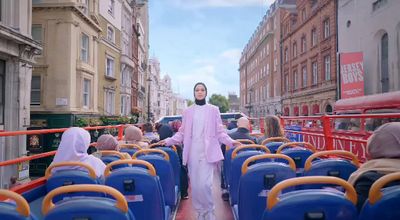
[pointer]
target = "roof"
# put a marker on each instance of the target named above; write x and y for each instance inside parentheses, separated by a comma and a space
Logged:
(377, 101)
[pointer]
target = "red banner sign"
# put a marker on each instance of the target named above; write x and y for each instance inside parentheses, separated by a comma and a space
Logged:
(352, 75)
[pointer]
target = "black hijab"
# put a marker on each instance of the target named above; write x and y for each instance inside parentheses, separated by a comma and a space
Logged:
(198, 101)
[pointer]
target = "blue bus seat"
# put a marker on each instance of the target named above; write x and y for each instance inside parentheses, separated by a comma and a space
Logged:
(87, 207)
(108, 156)
(239, 155)
(18, 209)
(383, 203)
(337, 167)
(315, 204)
(141, 188)
(257, 180)
(70, 176)
(173, 159)
(273, 143)
(131, 149)
(161, 162)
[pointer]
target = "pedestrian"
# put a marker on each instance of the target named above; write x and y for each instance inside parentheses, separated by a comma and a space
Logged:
(201, 133)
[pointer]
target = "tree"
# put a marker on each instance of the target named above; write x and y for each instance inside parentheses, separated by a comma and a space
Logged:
(189, 102)
(220, 101)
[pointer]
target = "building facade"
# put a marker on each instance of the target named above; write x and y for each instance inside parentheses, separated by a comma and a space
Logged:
(234, 102)
(375, 31)
(17, 50)
(309, 43)
(109, 57)
(143, 57)
(260, 72)
(127, 63)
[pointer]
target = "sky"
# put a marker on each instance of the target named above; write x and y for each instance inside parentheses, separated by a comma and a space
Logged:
(202, 40)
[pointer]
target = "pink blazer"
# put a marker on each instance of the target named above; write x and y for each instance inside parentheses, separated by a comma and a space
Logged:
(215, 134)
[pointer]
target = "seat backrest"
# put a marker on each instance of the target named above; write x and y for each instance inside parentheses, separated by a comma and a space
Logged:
(70, 176)
(87, 207)
(165, 172)
(142, 191)
(255, 184)
(236, 172)
(315, 204)
(298, 154)
(17, 210)
(175, 163)
(273, 146)
(130, 151)
(383, 203)
(110, 158)
(329, 167)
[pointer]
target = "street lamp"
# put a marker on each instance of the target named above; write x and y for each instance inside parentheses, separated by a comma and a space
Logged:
(148, 99)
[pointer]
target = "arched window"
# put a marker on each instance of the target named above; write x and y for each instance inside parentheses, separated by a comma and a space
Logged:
(328, 108)
(385, 62)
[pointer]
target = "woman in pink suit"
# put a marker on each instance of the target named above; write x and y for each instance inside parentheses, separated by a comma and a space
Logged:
(201, 133)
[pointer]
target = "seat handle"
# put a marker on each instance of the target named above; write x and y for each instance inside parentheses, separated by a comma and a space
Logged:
(48, 204)
(375, 193)
(249, 146)
(274, 139)
(91, 171)
(22, 205)
(155, 145)
(148, 165)
(245, 165)
(296, 144)
(147, 151)
(272, 198)
(112, 153)
(346, 154)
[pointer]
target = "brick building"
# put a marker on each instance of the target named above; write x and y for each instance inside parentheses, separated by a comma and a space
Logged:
(309, 45)
(260, 72)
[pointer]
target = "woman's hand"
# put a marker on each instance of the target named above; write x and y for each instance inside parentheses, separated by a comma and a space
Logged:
(236, 144)
(162, 143)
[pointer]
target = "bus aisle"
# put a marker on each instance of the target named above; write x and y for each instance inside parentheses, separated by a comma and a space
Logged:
(223, 210)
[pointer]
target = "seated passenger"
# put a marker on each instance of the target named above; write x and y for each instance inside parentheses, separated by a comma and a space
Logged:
(384, 152)
(150, 134)
(272, 127)
(109, 142)
(73, 147)
(133, 135)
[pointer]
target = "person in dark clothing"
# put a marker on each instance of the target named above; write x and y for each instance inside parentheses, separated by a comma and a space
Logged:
(384, 151)
(242, 132)
(233, 123)
(166, 131)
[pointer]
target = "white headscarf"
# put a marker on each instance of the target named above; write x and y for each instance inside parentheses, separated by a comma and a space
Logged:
(73, 147)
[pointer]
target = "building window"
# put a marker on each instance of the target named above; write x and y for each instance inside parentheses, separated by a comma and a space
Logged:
(84, 48)
(85, 8)
(111, 7)
(287, 83)
(315, 73)
(110, 34)
(385, 62)
(303, 14)
(304, 74)
(295, 80)
(314, 37)
(125, 105)
(327, 29)
(286, 55)
(294, 49)
(275, 63)
(36, 85)
(86, 93)
(109, 102)
(109, 67)
(37, 32)
(378, 4)
(327, 61)
(303, 44)
(2, 89)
